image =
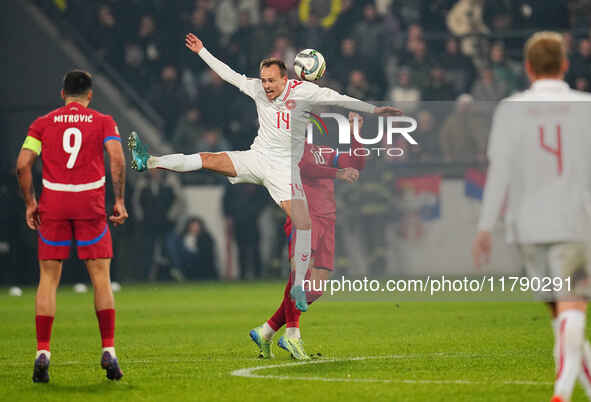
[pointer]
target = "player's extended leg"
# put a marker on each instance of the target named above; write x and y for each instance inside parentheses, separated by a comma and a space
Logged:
(99, 272)
(141, 160)
(570, 345)
(49, 279)
(297, 210)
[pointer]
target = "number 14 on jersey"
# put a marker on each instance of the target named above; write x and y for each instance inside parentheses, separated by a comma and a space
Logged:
(283, 120)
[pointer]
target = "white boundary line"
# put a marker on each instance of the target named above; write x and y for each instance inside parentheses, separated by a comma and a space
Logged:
(250, 372)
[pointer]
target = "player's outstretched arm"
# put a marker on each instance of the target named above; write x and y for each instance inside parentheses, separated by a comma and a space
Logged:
(194, 44)
(117, 162)
(329, 96)
(24, 172)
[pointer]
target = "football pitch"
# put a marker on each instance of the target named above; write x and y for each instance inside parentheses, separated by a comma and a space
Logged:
(190, 343)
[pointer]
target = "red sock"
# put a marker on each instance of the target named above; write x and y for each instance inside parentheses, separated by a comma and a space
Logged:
(106, 321)
(292, 314)
(277, 320)
(43, 324)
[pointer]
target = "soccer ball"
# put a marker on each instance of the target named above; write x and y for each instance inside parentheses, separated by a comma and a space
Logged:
(309, 65)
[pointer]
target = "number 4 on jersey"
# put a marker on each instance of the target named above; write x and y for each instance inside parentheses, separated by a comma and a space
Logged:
(72, 149)
(555, 151)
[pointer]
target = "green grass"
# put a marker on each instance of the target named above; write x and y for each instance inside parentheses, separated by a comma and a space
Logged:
(181, 343)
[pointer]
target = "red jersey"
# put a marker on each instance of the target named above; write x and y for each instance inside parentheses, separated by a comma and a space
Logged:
(72, 142)
(318, 169)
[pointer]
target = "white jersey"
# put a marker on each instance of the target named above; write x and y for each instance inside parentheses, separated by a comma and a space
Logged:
(282, 121)
(540, 163)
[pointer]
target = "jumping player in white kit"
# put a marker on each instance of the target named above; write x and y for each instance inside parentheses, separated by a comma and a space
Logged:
(539, 160)
(273, 158)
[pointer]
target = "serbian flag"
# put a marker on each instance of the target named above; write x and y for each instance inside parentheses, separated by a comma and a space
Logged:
(424, 191)
(474, 181)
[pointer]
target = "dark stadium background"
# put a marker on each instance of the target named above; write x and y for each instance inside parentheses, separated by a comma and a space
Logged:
(403, 52)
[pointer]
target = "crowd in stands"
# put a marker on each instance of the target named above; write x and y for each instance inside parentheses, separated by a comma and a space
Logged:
(444, 62)
(405, 52)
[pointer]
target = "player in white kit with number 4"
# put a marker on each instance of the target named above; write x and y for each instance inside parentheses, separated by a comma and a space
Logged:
(273, 158)
(540, 159)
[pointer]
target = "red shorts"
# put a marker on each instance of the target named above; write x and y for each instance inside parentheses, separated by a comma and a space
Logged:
(322, 241)
(92, 238)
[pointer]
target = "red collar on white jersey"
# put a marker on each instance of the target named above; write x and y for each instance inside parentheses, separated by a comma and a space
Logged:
(285, 92)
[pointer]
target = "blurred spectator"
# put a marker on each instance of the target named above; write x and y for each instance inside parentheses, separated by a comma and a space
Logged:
(409, 12)
(503, 70)
(240, 54)
(213, 97)
(420, 63)
(369, 31)
(312, 35)
(283, 50)
(461, 137)
(135, 70)
(567, 39)
(193, 252)
(427, 137)
(414, 34)
(486, 88)
(499, 15)
(243, 205)
(168, 98)
(150, 42)
(226, 17)
(434, 14)
(265, 33)
(438, 89)
(202, 25)
(405, 95)
(157, 203)
(189, 131)
(580, 63)
(348, 16)
(465, 20)
(580, 11)
(105, 35)
(242, 123)
(459, 67)
(347, 61)
(213, 141)
(359, 87)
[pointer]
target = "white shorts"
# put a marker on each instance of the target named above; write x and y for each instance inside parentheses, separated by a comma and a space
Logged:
(558, 260)
(282, 181)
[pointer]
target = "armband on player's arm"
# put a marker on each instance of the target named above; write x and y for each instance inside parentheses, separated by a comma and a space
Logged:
(32, 144)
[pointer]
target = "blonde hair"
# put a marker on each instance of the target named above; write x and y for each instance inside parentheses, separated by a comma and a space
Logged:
(545, 51)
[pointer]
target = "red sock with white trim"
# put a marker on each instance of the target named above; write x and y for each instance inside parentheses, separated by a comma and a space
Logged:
(106, 321)
(43, 324)
(569, 343)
